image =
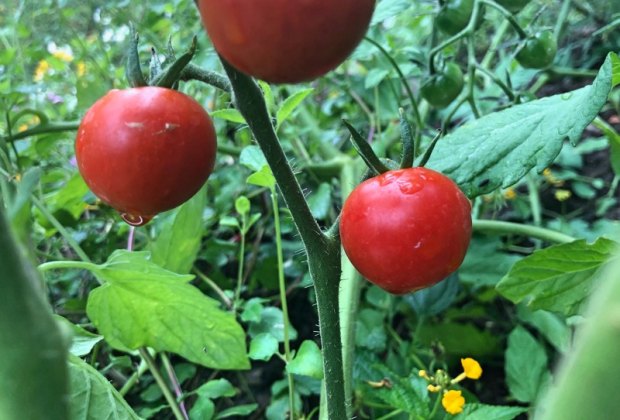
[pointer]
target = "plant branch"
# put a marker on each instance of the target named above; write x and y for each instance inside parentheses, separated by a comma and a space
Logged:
(510, 228)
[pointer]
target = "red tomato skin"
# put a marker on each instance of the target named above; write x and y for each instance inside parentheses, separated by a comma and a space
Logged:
(286, 41)
(145, 150)
(407, 229)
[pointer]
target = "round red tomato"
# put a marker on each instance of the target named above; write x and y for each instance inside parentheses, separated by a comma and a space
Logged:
(286, 41)
(406, 229)
(145, 150)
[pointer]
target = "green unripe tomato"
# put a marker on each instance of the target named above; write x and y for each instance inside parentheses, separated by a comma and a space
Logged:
(443, 87)
(538, 51)
(513, 6)
(454, 15)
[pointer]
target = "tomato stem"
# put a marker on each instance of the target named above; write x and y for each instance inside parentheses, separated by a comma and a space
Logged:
(507, 228)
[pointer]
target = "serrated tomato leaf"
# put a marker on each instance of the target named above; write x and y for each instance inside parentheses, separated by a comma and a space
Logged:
(559, 278)
(141, 304)
(499, 149)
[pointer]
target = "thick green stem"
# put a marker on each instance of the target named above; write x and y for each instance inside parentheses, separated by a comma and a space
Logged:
(509, 228)
(323, 251)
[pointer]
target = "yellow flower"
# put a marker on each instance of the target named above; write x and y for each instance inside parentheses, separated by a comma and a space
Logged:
(41, 69)
(453, 401)
(80, 69)
(563, 195)
(63, 55)
(551, 178)
(510, 194)
(433, 388)
(471, 368)
(423, 374)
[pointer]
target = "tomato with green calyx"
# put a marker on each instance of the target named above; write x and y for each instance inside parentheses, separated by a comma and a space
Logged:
(538, 50)
(286, 41)
(443, 87)
(145, 150)
(513, 6)
(406, 229)
(454, 15)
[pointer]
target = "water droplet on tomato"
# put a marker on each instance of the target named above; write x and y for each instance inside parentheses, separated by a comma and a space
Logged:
(135, 220)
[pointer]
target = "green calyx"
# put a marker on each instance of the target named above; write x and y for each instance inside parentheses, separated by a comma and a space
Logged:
(443, 87)
(538, 51)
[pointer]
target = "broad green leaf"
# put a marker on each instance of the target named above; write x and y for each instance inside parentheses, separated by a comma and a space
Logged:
(558, 278)
(615, 60)
(82, 341)
(253, 158)
(308, 361)
(435, 299)
(229, 114)
(499, 149)
(203, 409)
(320, 201)
(263, 178)
(180, 236)
(550, 325)
(92, 396)
(70, 197)
(370, 330)
(488, 412)
(263, 346)
(216, 388)
(374, 77)
(289, 105)
(141, 304)
(252, 310)
(272, 322)
(526, 365)
(242, 205)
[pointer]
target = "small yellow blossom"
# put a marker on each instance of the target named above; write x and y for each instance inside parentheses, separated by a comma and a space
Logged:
(80, 69)
(551, 178)
(63, 56)
(471, 368)
(433, 388)
(510, 194)
(22, 127)
(423, 374)
(42, 68)
(562, 195)
(453, 401)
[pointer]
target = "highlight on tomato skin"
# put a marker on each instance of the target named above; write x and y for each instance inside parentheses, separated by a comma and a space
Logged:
(145, 150)
(406, 229)
(285, 41)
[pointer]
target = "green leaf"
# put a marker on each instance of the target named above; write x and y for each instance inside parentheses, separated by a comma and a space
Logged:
(141, 304)
(203, 409)
(242, 205)
(459, 339)
(435, 299)
(216, 388)
(252, 310)
(388, 8)
(320, 201)
(82, 341)
(615, 62)
(24, 189)
(252, 158)
(487, 412)
(70, 197)
(238, 410)
(374, 77)
(263, 346)
(485, 264)
(272, 322)
(550, 325)
(229, 114)
(499, 149)
(559, 278)
(92, 396)
(526, 365)
(180, 237)
(263, 178)
(370, 330)
(308, 361)
(268, 95)
(289, 105)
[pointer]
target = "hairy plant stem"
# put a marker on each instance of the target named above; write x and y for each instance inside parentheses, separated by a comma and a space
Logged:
(323, 251)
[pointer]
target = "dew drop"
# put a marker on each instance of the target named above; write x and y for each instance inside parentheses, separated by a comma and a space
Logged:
(133, 220)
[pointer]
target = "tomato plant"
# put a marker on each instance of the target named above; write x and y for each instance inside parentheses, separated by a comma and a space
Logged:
(538, 51)
(454, 15)
(406, 229)
(145, 150)
(443, 87)
(282, 41)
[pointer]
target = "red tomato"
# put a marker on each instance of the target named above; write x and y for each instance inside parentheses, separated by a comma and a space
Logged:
(145, 150)
(407, 229)
(286, 41)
